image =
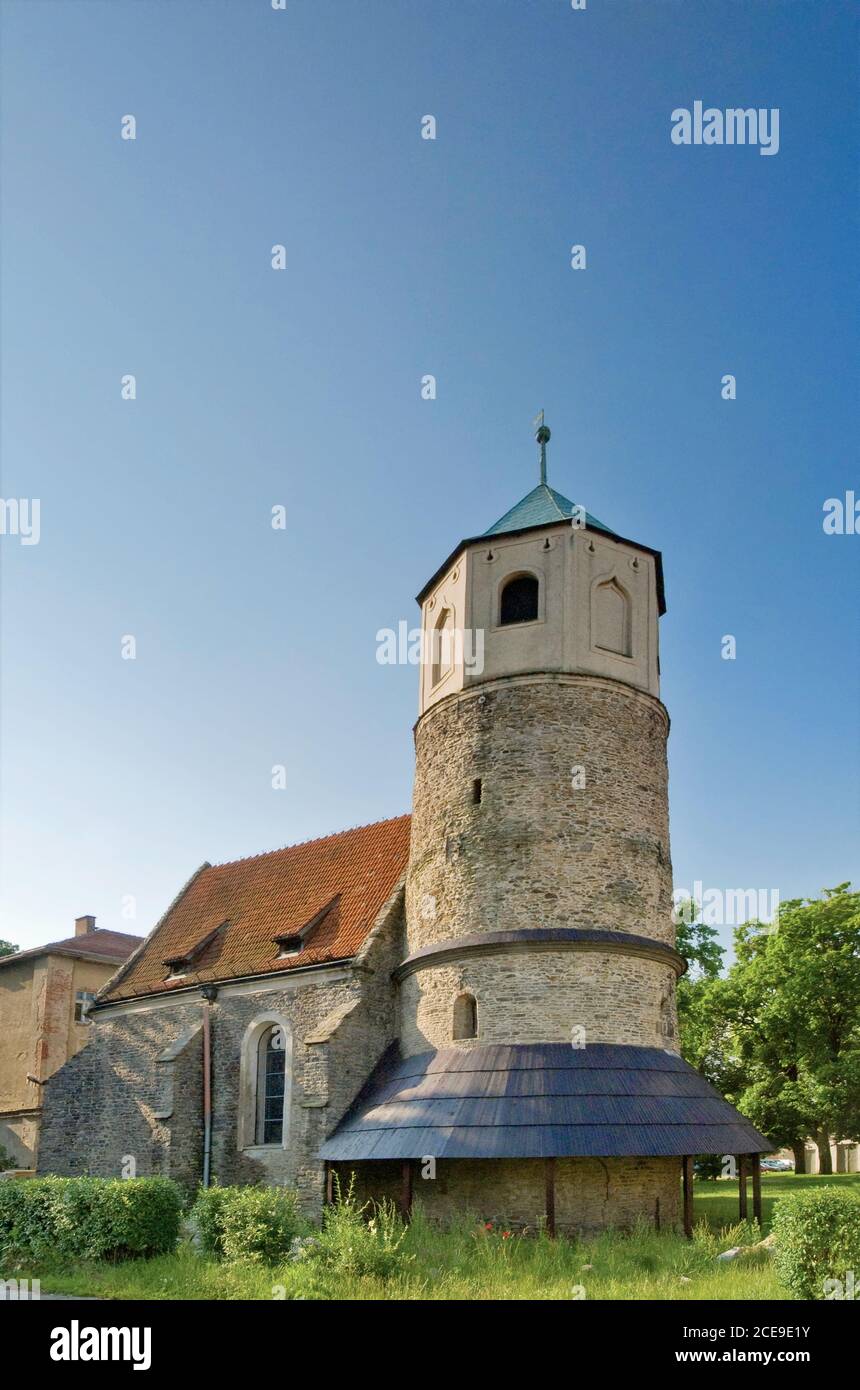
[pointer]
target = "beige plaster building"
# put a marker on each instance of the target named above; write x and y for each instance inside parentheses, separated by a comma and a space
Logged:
(44, 997)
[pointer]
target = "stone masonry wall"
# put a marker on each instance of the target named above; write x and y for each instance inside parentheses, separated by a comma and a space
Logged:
(535, 852)
(542, 996)
(116, 1098)
(326, 1075)
(112, 1099)
(590, 1193)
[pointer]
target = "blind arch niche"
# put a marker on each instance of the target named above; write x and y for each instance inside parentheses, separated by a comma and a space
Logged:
(612, 617)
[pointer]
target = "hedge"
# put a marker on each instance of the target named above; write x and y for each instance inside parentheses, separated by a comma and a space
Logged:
(257, 1224)
(817, 1243)
(45, 1219)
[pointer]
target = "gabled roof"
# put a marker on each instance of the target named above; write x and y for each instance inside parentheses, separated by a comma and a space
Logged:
(541, 507)
(226, 920)
(110, 946)
(539, 1100)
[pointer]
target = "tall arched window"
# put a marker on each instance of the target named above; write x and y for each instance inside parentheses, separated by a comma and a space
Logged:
(519, 600)
(271, 1077)
(442, 656)
(265, 1082)
(465, 1017)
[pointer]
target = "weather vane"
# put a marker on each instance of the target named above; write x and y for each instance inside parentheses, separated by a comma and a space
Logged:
(543, 436)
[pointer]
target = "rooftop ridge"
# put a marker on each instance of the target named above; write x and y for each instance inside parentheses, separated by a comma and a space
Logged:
(316, 840)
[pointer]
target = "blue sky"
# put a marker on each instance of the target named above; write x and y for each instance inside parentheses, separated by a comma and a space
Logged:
(302, 388)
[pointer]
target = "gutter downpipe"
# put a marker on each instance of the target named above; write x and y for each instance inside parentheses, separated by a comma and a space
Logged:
(210, 993)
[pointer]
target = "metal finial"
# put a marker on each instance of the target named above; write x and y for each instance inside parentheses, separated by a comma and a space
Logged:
(543, 436)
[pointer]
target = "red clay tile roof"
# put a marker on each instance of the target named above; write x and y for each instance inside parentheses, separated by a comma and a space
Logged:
(276, 894)
(112, 946)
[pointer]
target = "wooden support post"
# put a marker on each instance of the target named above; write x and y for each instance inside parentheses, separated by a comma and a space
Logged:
(756, 1177)
(329, 1184)
(687, 1172)
(549, 1174)
(742, 1186)
(406, 1200)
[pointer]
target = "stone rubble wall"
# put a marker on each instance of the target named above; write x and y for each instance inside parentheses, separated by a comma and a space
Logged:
(535, 852)
(590, 1193)
(542, 996)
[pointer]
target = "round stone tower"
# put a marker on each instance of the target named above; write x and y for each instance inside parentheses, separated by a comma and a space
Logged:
(538, 898)
(538, 1076)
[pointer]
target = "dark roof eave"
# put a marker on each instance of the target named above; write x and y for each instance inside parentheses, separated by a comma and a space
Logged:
(528, 939)
(448, 1103)
(543, 526)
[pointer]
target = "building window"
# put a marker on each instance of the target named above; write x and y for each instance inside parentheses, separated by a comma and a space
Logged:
(83, 999)
(271, 1079)
(477, 791)
(265, 1083)
(519, 601)
(465, 1017)
(442, 656)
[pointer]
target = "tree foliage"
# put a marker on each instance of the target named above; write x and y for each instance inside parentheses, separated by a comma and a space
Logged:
(779, 1034)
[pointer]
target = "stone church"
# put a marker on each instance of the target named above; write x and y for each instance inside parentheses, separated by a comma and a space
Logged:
(474, 1005)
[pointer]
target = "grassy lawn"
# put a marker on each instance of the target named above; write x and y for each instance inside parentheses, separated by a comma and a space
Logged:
(463, 1263)
(717, 1202)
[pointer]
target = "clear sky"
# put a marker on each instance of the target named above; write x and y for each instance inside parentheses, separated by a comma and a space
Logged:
(301, 388)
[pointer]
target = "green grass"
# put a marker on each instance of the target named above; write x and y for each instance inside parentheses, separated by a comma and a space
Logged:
(463, 1263)
(717, 1202)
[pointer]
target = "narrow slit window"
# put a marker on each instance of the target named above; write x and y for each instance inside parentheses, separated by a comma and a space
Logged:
(465, 1017)
(477, 791)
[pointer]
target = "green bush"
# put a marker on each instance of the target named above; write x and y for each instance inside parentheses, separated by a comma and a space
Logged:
(207, 1218)
(356, 1241)
(257, 1224)
(7, 1161)
(45, 1219)
(817, 1239)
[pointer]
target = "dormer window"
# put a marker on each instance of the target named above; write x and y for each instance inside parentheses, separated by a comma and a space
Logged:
(291, 943)
(519, 600)
(179, 965)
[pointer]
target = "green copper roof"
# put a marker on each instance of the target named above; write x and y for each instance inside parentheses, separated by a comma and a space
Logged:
(540, 507)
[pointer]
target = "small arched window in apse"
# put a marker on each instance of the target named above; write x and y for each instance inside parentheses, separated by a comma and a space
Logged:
(465, 1017)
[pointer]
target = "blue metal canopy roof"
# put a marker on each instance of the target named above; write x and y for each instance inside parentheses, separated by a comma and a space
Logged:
(540, 507)
(539, 1100)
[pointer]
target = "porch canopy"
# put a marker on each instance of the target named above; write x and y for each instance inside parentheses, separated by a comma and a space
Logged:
(539, 1100)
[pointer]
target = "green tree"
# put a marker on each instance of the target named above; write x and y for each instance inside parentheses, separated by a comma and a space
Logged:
(7, 949)
(697, 942)
(780, 1034)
